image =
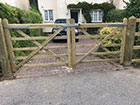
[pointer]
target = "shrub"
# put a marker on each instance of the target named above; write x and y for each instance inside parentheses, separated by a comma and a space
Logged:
(107, 31)
(17, 15)
(112, 40)
(115, 15)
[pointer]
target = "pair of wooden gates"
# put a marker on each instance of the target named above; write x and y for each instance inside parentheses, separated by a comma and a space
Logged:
(12, 63)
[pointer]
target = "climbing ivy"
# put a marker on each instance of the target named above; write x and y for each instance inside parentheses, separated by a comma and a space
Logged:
(87, 7)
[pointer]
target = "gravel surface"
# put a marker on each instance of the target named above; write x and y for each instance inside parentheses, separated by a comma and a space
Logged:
(78, 88)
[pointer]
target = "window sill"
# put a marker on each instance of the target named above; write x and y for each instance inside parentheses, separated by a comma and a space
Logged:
(48, 22)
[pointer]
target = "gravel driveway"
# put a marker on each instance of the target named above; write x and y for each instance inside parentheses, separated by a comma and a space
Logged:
(79, 88)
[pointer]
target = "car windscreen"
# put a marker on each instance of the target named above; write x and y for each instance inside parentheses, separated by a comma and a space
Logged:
(60, 21)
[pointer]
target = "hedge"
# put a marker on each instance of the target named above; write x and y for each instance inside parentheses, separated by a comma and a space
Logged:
(115, 15)
(17, 15)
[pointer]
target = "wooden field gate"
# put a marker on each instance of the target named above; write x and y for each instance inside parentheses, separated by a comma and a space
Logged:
(8, 59)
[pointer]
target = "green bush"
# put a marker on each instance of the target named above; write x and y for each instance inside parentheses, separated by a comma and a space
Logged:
(19, 16)
(115, 15)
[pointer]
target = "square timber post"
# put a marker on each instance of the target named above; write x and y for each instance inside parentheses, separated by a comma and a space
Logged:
(129, 41)
(4, 60)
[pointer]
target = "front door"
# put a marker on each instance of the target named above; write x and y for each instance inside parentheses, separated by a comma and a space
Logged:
(74, 15)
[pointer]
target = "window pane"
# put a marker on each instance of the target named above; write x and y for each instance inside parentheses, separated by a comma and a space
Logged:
(95, 17)
(46, 15)
(100, 15)
(51, 14)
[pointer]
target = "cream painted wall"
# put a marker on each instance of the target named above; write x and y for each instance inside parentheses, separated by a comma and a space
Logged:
(24, 4)
(60, 7)
(119, 4)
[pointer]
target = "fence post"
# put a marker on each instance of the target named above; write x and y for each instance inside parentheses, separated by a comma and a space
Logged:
(9, 46)
(73, 38)
(123, 45)
(5, 63)
(129, 42)
(69, 44)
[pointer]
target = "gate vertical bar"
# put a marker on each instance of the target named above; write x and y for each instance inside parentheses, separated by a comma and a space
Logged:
(5, 64)
(123, 43)
(129, 41)
(69, 44)
(73, 38)
(9, 46)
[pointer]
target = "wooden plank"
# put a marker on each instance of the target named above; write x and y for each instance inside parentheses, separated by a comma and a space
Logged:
(40, 48)
(100, 60)
(135, 60)
(59, 37)
(137, 33)
(138, 20)
(10, 47)
(97, 45)
(4, 61)
(100, 53)
(33, 48)
(40, 57)
(92, 25)
(69, 44)
(45, 64)
(129, 41)
(123, 43)
(73, 38)
(37, 38)
(32, 26)
(136, 47)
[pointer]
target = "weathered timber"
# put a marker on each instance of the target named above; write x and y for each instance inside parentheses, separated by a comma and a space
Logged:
(129, 41)
(10, 47)
(4, 61)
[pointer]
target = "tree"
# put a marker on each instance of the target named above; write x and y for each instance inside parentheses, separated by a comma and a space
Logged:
(133, 8)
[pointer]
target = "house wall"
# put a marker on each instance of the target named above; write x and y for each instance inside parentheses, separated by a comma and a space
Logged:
(60, 6)
(24, 4)
(60, 10)
(120, 4)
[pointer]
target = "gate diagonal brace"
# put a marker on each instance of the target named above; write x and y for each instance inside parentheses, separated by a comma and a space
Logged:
(39, 48)
(97, 45)
(96, 41)
(38, 44)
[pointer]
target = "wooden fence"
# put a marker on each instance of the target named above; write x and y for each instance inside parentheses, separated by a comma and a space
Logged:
(124, 54)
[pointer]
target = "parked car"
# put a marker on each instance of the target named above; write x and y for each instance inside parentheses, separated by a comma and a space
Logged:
(64, 31)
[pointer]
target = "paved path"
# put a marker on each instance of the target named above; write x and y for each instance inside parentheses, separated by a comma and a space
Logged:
(39, 71)
(79, 88)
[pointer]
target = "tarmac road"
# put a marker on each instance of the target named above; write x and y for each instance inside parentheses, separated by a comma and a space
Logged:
(79, 88)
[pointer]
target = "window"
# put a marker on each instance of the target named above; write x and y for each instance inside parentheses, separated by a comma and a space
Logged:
(48, 15)
(96, 15)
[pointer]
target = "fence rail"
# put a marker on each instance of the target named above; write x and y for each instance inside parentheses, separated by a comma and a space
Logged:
(123, 55)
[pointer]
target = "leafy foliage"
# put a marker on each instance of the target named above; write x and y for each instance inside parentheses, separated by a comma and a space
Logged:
(17, 15)
(87, 7)
(115, 15)
(133, 8)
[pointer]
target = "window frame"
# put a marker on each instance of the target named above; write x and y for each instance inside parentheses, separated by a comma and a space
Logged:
(99, 14)
(48, 15)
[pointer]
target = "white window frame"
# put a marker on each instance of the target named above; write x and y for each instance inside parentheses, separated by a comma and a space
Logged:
(96, 15)
(48, 19)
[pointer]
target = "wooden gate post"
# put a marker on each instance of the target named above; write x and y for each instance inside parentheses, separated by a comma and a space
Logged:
(123, 45)
(73, 39)
(69, 44)
(129, 41)
(5, 63)
(9, 46)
